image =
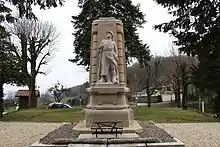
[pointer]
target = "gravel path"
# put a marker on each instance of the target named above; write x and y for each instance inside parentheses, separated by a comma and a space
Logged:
(152, 131)
(193, 135)
(18, 134)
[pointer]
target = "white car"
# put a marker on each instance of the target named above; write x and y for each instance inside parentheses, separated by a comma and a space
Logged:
(57, 105)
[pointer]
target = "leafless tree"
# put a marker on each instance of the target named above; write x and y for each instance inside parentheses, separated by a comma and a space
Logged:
(37, 40)
(179, 76)
(45, 98)
(58, 91)
(10, 95)
(152, 69)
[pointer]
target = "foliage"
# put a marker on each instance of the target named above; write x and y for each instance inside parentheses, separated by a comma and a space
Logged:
(58, 91)
(206, 78)
(25, 6)
(124, 10)
(197, 28)
(7, 59)
(9, 71)
(74, 102)
(196, 25)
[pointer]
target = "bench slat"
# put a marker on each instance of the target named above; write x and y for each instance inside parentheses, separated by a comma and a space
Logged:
(106, 128)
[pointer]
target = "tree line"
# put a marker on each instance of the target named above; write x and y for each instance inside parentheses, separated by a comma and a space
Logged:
(195, 26)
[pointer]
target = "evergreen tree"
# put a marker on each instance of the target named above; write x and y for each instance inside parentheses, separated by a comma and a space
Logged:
(197, 28)
(9, 70)
(7, 59)
(25, 6)
(124, 10)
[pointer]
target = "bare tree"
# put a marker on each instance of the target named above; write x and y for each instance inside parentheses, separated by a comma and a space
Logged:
(45, 98)
(10, 95)
(180, 76)
(37, 41)
(58, 91)
(152, 69)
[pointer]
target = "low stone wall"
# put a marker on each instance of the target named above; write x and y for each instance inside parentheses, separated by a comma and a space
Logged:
(154, 99)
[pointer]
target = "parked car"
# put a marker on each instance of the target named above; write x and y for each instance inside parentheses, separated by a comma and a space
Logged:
(56, 105)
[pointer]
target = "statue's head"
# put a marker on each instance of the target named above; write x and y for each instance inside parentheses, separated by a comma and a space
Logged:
(109, 35)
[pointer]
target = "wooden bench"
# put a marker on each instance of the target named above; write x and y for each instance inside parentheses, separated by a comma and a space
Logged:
(107, 128)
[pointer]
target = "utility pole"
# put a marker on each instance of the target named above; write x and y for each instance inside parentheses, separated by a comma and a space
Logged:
(135, 89)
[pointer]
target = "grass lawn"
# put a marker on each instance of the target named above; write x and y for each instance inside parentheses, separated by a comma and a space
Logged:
(159, 115)
(10, 109)
(45, 115)
(170, 115)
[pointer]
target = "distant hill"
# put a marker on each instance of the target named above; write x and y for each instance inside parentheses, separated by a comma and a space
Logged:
(75, 91)
(166, 68)
(79, 90)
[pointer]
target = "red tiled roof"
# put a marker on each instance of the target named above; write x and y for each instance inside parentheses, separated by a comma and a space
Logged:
(26, 93)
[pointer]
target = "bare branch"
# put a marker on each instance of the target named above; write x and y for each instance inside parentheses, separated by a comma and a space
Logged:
(43, 61)
(41, 72)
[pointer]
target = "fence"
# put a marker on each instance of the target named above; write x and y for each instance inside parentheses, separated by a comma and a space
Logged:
(207, 107)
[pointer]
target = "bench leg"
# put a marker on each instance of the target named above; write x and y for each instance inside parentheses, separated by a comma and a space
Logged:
(116, 133)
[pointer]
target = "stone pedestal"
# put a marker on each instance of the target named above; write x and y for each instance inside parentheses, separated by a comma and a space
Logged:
(107, 102)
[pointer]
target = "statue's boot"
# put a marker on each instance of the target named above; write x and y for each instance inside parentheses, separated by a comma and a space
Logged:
(102, 80)
(115, 80)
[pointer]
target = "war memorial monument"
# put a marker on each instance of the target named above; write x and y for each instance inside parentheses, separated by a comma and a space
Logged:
(107, 104)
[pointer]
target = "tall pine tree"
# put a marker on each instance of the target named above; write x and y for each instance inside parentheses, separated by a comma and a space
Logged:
(124, 10)
(197, 28)
(9, 69)
(7, 59)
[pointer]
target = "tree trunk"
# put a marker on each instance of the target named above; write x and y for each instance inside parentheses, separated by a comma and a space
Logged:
(32, 92)
(184, 97)
(178, 97)
(148, 96)
(217, 104)
(1, 100)
(148, 99)
(175, 97)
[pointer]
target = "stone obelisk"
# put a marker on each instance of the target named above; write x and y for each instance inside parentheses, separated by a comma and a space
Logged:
(107, 92)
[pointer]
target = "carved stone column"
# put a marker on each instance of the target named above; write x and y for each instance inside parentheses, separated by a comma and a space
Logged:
(99, 28)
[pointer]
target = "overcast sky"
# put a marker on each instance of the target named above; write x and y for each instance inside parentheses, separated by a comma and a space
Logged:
(69, 73)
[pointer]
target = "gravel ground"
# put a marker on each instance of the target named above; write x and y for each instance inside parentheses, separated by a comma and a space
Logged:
(65, 131)
(193, 135)
(19, 134)
(151, 130)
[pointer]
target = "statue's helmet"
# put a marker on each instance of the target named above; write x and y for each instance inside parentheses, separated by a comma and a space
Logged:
(110, 32)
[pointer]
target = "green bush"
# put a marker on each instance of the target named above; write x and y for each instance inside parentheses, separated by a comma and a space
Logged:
(73, 102)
